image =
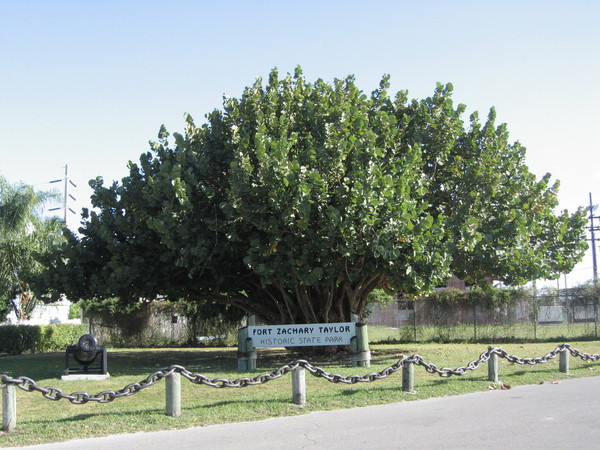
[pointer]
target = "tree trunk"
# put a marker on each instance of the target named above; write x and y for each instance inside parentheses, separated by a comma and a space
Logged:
(327, 303)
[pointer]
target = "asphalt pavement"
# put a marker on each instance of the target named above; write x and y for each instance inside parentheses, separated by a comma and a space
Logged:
(548, 416)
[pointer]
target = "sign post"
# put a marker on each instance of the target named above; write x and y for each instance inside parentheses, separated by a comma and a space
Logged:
(246, 351)
(361, 355)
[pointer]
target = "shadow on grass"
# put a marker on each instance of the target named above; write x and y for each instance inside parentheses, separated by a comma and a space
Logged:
(36, 366)
(121, 363)
(238, 402)
(149, 361)
(113, 415)
(142, 363)
(82, 417)
(537, 370)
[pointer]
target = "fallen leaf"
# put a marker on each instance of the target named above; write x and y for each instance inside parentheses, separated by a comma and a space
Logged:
(505, 387)
(556, 382)
(540, 382)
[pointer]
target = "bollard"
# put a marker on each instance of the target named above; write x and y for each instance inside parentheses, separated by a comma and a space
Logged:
(361, 355)
(493, 368)
(408, 377)
(563, 361)
(9, 407)
(246, 352)
(299, 386)
(242, 358)
(173, 394)
(250, 350)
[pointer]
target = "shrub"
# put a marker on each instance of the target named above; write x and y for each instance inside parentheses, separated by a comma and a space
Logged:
(54, 338)
(161, 323)
(75, 311)
(485, 298)
(448, 298)
(209, 320)
(17, 339)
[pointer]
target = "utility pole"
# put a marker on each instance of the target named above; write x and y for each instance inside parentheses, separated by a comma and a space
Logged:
(66, 194)
(593, 229)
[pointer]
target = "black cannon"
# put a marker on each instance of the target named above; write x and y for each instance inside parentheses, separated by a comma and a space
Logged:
(87, 357)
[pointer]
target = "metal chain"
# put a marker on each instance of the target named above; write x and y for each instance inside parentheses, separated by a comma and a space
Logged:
(80, 398)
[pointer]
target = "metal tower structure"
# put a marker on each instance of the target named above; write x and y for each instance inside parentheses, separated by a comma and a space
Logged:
(593, 228)
(66, 194)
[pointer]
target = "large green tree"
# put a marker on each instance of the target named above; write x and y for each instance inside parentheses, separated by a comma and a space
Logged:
(25, 237)
(298, 199)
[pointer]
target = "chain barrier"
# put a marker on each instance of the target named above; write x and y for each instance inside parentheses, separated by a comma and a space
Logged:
(80, 398)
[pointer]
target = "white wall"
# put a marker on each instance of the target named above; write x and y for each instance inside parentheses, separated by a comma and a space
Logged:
(49, 314)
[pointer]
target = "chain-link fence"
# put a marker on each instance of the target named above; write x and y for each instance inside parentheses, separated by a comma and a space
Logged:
(516, 315)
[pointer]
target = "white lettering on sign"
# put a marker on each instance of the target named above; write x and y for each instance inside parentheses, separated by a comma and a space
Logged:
(302, 335)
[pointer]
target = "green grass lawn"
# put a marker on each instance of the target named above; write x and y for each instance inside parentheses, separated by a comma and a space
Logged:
(40, 420)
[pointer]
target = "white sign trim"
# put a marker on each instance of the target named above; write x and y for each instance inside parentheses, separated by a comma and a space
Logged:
(311, 334)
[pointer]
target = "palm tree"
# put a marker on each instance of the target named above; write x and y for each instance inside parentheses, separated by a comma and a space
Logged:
(24, 237)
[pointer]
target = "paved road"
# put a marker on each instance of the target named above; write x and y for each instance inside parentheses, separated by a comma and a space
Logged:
(563, 416)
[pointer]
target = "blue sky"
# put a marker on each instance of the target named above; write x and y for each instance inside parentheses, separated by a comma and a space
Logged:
(89, 83)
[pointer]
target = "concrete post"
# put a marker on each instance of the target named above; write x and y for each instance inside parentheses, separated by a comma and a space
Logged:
(408, 377)
(250, 350)
(246, 352)
(563, 361)
(251, 355)
(242, 358)
(361, 355)
(493, 368)
(299, 386)
(9, 407)
(173, 395)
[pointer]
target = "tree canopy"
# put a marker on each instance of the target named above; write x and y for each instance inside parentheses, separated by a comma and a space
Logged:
(24, 238)
(298, 199)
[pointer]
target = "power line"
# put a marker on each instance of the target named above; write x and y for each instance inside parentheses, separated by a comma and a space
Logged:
(67, 197)
(32, 177)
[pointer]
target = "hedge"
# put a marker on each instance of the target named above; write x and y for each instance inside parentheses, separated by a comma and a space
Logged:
(17, 339)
